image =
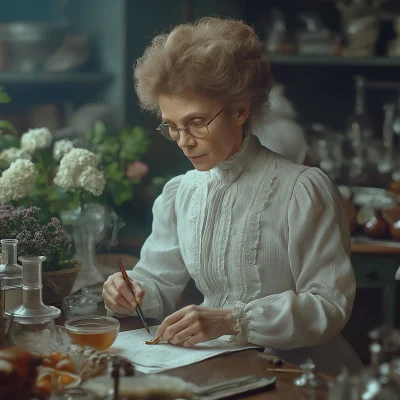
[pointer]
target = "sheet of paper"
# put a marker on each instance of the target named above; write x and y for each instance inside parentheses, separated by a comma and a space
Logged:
(163, 356)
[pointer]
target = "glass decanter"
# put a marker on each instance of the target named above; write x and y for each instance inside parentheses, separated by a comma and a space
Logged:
(33, 321)
(10, 276)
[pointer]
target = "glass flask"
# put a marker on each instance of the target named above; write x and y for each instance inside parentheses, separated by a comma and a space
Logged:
(33, 321)
(10, 276)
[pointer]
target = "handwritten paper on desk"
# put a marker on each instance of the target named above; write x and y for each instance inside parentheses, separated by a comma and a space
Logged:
(164, 356)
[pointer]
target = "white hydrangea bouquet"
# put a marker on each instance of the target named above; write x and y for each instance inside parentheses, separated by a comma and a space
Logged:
(75, 184)
(66, 182)
(64, 178)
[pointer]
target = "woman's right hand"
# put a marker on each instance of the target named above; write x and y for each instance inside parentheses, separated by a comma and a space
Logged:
(118, 297)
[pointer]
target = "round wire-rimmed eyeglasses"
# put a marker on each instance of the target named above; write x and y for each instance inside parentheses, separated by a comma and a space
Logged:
(198, 130)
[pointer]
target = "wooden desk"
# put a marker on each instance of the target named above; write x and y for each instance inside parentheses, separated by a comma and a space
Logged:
(241, 363)
(229, 366)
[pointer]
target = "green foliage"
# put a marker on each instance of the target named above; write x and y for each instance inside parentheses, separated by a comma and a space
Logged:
(115, 153)
(134, 144)
(4, 97)
(7, 141)
(5, 125)
(161, 180)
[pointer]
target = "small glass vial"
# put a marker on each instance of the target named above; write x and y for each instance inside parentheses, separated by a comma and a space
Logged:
(10, 276)
(33, 320)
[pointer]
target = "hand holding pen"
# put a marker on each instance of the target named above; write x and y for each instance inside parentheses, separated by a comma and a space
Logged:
(118, 295)
(132, 288)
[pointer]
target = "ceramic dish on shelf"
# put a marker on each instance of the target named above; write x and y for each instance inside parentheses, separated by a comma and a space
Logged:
(392, 217)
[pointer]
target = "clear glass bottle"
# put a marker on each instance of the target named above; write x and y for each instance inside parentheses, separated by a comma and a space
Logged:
(396, 120)
(386, 163)
(10, 276)
(359, 131)
(33, 320)
(359, 124)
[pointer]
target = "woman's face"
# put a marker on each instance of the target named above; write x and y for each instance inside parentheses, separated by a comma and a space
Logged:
(226, 131)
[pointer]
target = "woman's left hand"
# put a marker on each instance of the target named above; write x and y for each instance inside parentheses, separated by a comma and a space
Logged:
(194, 324)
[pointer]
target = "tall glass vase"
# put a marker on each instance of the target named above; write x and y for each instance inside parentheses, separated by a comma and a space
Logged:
(90, 227)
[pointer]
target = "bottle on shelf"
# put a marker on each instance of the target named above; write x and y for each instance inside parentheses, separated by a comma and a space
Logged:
(359, 124)
(386, 163)
(396, 120)
(359, 131)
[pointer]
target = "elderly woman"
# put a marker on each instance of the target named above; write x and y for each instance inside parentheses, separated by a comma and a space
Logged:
(265, 240)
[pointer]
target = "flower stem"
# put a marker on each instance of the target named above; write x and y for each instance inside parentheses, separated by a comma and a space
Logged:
(42, 167)
(82, 199)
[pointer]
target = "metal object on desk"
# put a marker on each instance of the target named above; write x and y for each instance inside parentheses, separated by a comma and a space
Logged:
(119, 364)
(381, 379)
(234, 387)
(308, 378)
(128, 282)
(273, 360)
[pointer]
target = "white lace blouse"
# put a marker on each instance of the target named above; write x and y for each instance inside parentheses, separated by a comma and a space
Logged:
(265, 237)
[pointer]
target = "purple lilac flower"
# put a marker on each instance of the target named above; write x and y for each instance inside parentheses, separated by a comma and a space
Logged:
(34, 236)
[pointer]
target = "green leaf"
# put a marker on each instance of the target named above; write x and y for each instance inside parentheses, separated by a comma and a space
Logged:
(97, 133)
(161, 180)
(4, 97)
(7, 141)
(6, 125)
(113, 171)
(122, 191)
(4, 164)
(134, 143)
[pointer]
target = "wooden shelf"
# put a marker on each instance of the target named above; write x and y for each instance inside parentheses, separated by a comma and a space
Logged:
(54, 78)
(334, 61)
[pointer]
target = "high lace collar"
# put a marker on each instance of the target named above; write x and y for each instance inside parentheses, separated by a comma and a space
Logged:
(229, 170)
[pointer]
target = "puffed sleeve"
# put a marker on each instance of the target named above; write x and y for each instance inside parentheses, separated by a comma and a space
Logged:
(319, 253)
(161, 270)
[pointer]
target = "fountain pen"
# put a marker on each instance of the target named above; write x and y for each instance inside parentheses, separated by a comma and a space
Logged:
(129, 283)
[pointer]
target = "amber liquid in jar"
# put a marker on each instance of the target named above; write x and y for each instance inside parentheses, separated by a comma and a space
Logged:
(98, 340)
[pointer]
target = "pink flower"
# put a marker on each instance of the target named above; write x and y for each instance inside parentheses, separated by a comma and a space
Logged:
(136, 170)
